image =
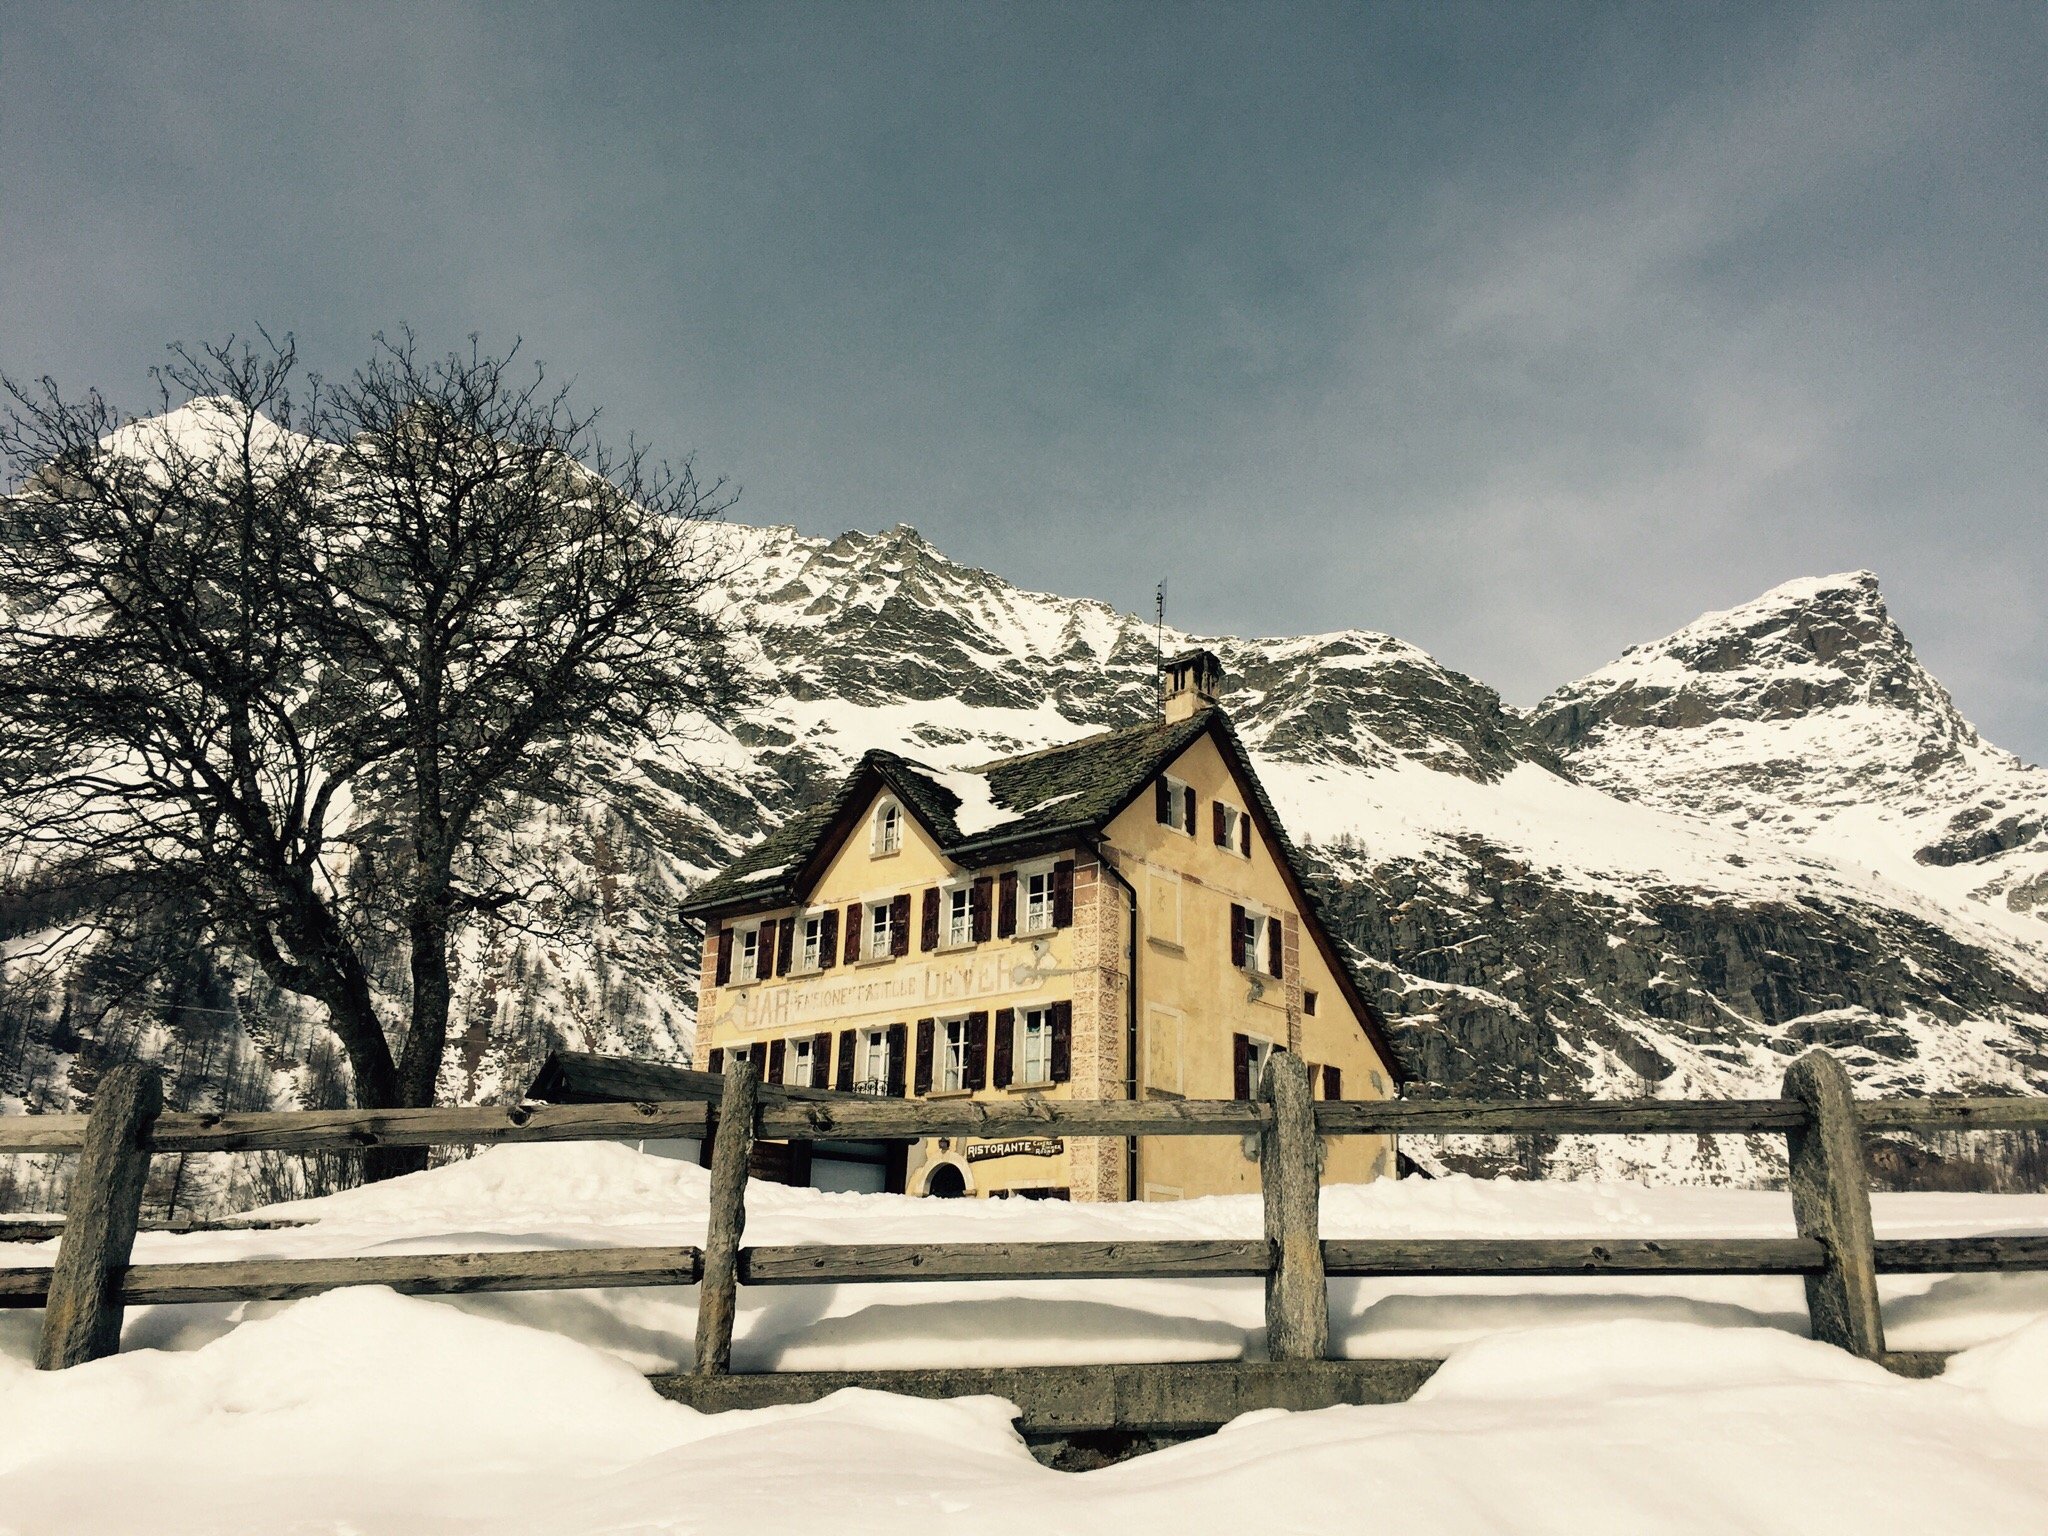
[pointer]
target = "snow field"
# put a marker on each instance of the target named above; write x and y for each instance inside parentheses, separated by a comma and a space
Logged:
(1648, 1405)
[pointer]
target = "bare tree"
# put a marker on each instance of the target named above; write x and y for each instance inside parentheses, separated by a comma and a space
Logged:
(294, 657)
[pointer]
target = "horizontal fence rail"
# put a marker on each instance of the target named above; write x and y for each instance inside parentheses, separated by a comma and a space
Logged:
(910, 1119)
(422, 1274)
(1835, 1252)
(905, 1120)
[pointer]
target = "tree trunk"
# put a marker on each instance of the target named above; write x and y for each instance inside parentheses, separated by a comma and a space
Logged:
(419, 1063)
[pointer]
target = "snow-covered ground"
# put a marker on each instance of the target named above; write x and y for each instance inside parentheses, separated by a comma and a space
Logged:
(1585, 1405)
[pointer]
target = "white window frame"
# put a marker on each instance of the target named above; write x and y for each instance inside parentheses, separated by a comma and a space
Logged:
(1236, 830)
(1177, 792)
(886, 836)
(873, 1051)
(799, 1055)
(811, 954)
(1032, 1024)
(950, 1070)
(747, 963)
(1025, 875)
(959, 899)
(1257, 944)
(1258, 1052)
(878, 915)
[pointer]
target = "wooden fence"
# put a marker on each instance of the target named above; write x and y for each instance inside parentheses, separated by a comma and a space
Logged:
(1835, 1250)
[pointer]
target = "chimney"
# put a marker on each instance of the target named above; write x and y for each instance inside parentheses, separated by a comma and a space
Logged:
(1189, 682)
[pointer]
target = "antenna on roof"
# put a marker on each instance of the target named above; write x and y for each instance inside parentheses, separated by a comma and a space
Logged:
(1159, 622)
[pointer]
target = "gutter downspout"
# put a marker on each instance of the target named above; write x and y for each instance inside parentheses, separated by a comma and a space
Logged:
(1130, 1015)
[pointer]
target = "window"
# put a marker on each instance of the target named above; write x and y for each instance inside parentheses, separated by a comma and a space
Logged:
(872, 1072)
(1174, 803)
(1233, 829)
(1255, 942)
(749, 968)
(800, 1066)
(888, 832)
(1251, 1054)
(1035, 892)
(960, 915)
(814, 942)
(881, 931)
(1308, 1002)
(953, 1062)
(1034, 1047)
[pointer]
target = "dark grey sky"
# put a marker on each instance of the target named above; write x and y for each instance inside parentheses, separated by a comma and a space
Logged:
(1524, 332)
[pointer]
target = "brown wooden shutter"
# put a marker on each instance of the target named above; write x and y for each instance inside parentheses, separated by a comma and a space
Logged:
(1240, 1066)
(1244, 834)
(821, 1060)
(1333, 1083)
(1006, 905)
(899, 925)
(979, 903)
(828, 939)
(785, 941)
(1006, 1029)
(929, 938)
(1220, 823)
(764, 950)
(758, 1054)
(723, 939)
(846, 1043)
(923, 1081)
(1062, 1041)
(776, 1056)
(1237, 925)
(899, 1040)
(852, 932)
(1162, 801)
(1188, 821)
(977, 1050)
(715, 1062)
(1276, 946)
(1063, 894)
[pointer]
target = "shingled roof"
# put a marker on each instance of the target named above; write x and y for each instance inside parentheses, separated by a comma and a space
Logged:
(1021, 805)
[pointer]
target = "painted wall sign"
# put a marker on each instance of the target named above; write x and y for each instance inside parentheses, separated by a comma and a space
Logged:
(982, 1151)
(896, 988)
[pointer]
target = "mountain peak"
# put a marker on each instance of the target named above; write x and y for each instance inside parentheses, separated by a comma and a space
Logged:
(1804, 648)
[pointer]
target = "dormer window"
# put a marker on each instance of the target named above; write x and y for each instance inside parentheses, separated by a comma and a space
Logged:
(1174, 803)
(887, 836)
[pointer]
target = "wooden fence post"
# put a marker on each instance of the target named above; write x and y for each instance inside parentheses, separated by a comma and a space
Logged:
(1831, 1203)
(1297, 1297)
(82, 1319)
(731, 1147)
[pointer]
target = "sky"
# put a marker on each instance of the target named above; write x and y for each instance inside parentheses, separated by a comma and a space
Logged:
(1526, 333)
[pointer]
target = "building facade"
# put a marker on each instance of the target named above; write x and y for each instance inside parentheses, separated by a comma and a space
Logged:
(1119, 917)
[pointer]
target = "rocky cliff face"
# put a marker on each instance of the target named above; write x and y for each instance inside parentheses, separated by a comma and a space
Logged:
(1769, 830)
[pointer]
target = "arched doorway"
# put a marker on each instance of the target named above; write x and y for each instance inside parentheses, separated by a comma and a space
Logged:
(946, 1182)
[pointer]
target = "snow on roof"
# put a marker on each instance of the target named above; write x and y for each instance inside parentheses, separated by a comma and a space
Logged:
(977, 811)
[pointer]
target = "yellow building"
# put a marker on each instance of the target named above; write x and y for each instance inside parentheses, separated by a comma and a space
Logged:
(1120, 917)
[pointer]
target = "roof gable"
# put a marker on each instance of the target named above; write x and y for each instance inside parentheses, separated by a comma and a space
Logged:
(976, 814)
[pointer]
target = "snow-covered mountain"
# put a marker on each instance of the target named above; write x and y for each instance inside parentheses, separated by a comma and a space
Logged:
(1768, 830)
